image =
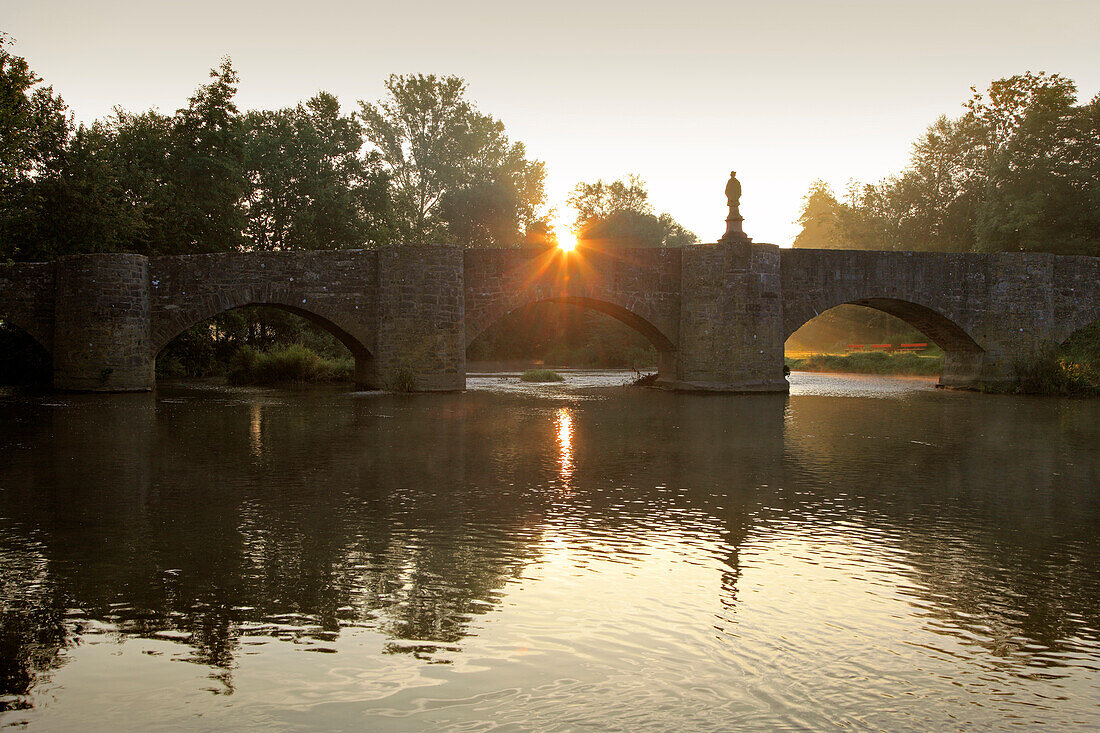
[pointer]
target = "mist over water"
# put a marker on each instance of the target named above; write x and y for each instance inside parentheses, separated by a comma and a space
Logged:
(866, 553)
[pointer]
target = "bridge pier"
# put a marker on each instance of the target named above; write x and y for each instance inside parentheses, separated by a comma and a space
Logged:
(101, 340)
(421, 342)
(962, 369)
(731, 320)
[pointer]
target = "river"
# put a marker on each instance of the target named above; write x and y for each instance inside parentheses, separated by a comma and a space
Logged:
(867, 553)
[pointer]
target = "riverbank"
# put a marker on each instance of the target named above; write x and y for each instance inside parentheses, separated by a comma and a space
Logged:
(1057, 373)
(875, 362)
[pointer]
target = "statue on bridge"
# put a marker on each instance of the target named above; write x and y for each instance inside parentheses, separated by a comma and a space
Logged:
(734, 232)
(733, 195)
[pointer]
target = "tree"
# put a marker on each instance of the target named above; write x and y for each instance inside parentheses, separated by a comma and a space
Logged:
(1018, 171)
(34, 123)
(599, 200)
(820, 219)
(1043, 167)
(311, 188)
(34, 127)
(207, 162)
(455, 175)
(618, 214)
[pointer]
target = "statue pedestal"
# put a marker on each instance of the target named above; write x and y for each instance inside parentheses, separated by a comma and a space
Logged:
(734, 232)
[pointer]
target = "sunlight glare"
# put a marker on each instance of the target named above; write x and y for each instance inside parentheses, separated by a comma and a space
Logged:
(565, 444)
(567, 238)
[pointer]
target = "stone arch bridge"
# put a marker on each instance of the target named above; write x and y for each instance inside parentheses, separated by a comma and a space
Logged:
(717, 314)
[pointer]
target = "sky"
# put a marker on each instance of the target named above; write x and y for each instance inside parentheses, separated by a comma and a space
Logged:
(680, 93)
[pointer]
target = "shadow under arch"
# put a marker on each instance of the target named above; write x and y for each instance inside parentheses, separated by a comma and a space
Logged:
(962, 354)
(666, 350)
(27, 326)
(364, 360)
(24, 357)
(1082, 347)
(1085, 321)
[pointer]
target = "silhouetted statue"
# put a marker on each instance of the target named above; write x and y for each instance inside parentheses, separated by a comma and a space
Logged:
(733, 195)
(734, 232)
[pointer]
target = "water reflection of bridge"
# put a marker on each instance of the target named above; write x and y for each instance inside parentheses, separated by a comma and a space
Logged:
(415, 522)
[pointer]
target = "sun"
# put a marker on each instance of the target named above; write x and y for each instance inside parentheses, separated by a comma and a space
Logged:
(567, 240)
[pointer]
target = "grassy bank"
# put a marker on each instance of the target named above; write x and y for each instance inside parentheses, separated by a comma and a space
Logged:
(541, 375)
(1056, 373)
(1072, 369)
(873, 362)
(290, 364)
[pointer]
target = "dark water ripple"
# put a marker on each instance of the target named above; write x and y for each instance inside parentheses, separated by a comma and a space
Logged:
(866, 554)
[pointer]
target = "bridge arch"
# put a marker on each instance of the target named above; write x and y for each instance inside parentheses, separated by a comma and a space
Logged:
(1088, 315)
(660, 341)
(24, 358)
(29, 328)
(179, 320)
(666, 348)
(174, 322)
(943, 331)
(962, 354)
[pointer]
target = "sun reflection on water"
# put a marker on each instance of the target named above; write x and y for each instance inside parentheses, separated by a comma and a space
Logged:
(564, 421)
(255, 431)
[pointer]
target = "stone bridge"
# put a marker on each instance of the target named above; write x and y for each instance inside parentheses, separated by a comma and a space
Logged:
(717, 314)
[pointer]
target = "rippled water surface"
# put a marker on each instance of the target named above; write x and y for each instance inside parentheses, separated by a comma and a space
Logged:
(866, 553)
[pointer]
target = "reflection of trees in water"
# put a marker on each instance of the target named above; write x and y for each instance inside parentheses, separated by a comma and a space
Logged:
(996, 512)
(396, 514)
(284, 515)
(32, 628)
(306, 532)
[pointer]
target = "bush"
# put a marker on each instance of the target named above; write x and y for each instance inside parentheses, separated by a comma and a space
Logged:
(541, 375)
(1052, 373)
(293, 363)
(402, 378)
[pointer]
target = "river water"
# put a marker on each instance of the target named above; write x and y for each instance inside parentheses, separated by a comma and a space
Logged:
(867, 554)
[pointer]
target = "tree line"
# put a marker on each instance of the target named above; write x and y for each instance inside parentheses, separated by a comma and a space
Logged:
(1017, 171)
(422, 164)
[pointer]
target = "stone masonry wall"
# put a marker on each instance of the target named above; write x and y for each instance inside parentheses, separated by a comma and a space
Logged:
(731, 319)
(101, 324)
(421, 334)
(27, 299)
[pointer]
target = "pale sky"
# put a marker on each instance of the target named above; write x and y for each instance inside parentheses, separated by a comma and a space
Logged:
(678, 92)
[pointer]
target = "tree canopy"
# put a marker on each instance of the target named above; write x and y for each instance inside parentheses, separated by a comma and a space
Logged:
(618, 214)
(1018, 171)
(311, 185)
(455, 175)
(422, 165)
